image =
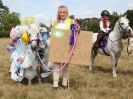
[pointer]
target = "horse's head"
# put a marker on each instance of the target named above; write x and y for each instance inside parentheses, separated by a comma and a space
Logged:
(130, 45)
(124, 27)
(33, 31)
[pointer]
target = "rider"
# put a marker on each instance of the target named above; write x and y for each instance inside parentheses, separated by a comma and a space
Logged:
(104, 27)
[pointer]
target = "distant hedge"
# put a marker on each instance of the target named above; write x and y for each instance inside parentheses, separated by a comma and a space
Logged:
(4, 33)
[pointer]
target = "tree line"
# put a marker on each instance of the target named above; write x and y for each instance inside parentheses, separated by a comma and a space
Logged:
(7, 20)
(92, 24)
(11, 19)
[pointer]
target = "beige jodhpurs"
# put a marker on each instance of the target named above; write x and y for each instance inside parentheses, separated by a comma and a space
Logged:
(56, 75)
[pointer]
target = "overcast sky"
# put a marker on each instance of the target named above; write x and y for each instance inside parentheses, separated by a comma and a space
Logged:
(80, 8)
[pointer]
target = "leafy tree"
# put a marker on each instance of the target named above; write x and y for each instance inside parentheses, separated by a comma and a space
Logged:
(130, 16)
(3, 7)
(113, 18)
(7, 20)
(89, 24)
(94, 25)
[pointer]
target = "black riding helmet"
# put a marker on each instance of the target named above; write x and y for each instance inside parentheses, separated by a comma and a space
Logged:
(105, 13)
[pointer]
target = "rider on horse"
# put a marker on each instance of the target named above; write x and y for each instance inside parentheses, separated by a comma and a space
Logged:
(104, 25)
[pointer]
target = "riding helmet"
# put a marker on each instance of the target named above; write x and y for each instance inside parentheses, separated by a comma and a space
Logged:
(105, 13)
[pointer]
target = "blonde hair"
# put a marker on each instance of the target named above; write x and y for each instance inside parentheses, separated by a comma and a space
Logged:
(61, 7)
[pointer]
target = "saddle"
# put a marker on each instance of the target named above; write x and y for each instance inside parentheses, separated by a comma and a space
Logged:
(103, 42)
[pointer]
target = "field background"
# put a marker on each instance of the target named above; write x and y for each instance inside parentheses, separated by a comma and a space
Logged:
(83, 83)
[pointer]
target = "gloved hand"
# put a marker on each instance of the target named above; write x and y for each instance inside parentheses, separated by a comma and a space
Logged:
(107, 30)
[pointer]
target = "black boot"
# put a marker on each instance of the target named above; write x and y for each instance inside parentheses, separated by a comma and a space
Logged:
(95, 46)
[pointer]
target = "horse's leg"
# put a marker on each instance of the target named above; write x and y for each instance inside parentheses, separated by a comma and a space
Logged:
(38, 73)
(29, 82)
(93, 55)
(20, 84)
(114, 64)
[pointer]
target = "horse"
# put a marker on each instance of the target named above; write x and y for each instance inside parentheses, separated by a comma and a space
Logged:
(32, 30)
(39, 41)
(114, 44)
(28, 66)
(24, 63)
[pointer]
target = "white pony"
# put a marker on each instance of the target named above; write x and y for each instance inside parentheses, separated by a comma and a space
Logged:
(29, 64)
(26, 68)
(33, 31)
(114, 45)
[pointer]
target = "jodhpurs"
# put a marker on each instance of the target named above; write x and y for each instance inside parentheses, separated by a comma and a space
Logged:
(56, 75)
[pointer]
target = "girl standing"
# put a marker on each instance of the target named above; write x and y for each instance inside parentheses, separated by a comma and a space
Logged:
(62, 22)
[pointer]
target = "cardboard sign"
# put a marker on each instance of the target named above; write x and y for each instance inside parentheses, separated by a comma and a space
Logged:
(60, 48)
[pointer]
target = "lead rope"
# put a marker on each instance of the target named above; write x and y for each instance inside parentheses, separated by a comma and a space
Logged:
(69, 57)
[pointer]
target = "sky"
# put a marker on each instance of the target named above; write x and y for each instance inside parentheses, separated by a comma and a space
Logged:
(79, 8)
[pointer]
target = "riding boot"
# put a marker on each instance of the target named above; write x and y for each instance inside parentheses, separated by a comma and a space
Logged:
(99, 37)
(95, 46)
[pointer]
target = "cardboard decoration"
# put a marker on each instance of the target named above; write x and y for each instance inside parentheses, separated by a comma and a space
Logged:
(60, 48)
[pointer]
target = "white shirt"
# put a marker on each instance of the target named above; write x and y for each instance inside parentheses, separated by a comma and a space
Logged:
(61, 24)
(102, 27)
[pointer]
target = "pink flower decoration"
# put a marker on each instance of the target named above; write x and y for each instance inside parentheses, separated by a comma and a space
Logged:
(13, 33)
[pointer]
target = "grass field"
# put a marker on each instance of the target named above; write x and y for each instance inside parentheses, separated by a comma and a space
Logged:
(83, 83)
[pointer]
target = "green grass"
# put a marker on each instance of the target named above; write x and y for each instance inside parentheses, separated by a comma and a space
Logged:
(83, 84)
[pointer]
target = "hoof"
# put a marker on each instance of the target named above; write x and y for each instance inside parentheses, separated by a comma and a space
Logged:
(29, 85)
(90, 68)
(114, 75)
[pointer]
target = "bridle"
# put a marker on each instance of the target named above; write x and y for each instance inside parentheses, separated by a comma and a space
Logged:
(120, 27)
(124, 31)
(30, 41)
